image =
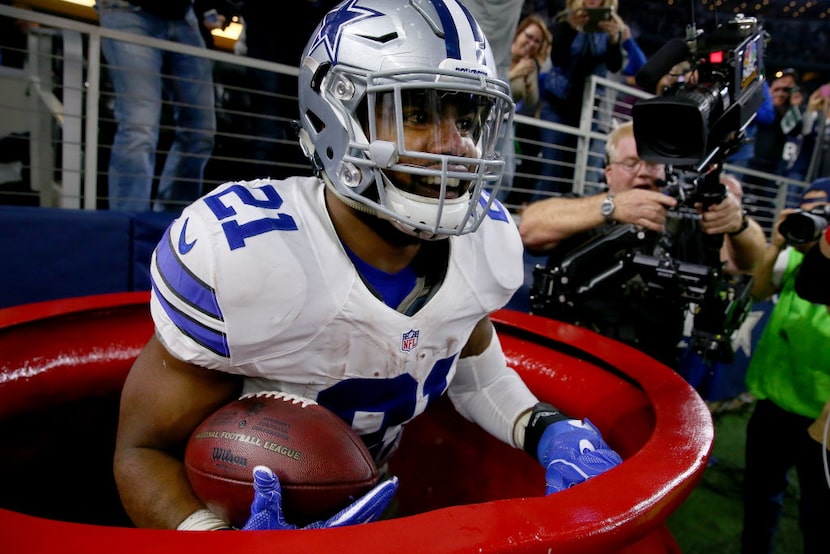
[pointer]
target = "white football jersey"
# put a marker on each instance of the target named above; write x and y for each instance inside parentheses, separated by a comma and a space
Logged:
(252, 279)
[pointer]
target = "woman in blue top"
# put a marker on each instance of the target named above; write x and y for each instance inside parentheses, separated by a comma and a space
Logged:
(577, 52)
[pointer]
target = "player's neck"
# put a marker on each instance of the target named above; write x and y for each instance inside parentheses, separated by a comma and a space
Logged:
(371, 239)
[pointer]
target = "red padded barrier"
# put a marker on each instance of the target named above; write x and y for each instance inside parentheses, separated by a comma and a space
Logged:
(63, 363)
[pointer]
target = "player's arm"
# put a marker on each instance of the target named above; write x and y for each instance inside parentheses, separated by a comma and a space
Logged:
(162, 401)
(485, 390)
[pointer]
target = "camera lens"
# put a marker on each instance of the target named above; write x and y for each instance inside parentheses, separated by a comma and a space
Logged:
(802, 227)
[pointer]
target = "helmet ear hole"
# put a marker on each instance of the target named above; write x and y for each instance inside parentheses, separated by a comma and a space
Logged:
(317, 78)
(316, 123)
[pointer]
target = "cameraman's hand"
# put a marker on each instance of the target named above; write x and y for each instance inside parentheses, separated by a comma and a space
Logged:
(644, 208)
(726, 217)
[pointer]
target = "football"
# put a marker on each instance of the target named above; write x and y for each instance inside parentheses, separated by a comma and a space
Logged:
(321, 462)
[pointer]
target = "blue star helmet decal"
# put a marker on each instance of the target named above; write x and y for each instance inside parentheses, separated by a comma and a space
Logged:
(333, 24)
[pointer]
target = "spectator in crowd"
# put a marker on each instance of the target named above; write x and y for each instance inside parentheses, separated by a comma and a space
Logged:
(530, 49)
(633, 55)
(679, 73)
(576, 54)
(13, 47)
(770, 139)
(765, 115)
(790, 377)
(273, 94)
(634, 58)
(807, 156)
(214, 14)
(396, 233)
(140, 76)
(628, 311)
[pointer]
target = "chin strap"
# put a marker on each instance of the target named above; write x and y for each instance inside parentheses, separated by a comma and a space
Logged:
(353, 204)
(363, 208)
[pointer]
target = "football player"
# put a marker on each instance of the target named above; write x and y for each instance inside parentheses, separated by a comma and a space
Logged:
(366, 288)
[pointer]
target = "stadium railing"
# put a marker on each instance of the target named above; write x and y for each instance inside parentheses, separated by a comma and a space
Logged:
(56, 123)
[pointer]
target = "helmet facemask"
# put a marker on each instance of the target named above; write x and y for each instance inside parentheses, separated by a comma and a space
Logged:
(423, 157)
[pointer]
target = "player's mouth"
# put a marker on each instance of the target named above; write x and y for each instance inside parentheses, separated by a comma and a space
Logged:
(431, 187)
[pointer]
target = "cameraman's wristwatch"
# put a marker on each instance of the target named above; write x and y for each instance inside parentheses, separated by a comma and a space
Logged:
(742, 228)
(607, 207)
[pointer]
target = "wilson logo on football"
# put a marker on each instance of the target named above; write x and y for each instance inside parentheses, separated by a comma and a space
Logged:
(220, 454)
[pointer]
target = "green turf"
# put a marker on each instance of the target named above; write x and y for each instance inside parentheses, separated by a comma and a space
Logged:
(710, 520)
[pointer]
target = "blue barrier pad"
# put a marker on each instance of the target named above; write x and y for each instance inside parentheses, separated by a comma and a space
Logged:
(51, 253)
(148, 227)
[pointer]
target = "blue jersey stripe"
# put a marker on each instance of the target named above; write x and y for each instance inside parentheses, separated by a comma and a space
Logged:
(208, 338)
(182, 282)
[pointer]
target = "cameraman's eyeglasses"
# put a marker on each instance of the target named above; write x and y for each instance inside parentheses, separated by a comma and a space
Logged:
(632, 165)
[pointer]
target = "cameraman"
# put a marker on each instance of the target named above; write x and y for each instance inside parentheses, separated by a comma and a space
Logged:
(811, 277)
(629, 313)
(789, 374)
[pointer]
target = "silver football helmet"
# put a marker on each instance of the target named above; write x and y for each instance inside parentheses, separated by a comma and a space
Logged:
(401, 112)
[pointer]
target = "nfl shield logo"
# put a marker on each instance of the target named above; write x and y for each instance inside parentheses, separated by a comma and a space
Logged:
(409, 340)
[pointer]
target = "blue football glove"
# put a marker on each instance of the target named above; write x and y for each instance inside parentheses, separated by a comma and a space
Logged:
(573, 451)
(266, 509)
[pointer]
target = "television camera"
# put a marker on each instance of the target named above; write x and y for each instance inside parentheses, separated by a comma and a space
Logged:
(709, 112)
(691, 127)
(608, 262)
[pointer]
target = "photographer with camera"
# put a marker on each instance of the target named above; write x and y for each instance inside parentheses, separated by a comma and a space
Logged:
(629, 311)
(789, 374)
(806, 155)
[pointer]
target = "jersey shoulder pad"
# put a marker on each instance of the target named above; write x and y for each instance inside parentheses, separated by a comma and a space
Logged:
(243, 264)
(492, 256)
